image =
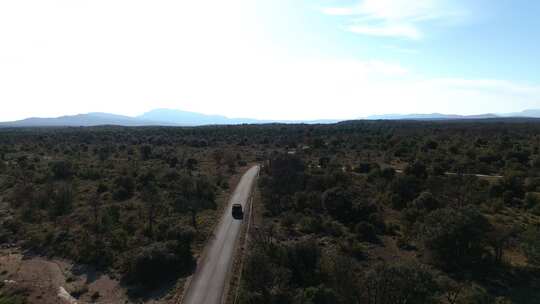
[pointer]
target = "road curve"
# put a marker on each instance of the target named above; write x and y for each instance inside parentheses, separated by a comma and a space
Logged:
(208, 282)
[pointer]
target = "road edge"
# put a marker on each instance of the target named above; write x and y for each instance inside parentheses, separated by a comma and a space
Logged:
(179, 297)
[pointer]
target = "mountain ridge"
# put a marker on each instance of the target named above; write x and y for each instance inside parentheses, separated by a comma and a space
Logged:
(432, 116)
(79, 120)
(171, 117)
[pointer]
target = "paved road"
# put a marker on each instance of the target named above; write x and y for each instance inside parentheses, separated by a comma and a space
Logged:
(209, 281)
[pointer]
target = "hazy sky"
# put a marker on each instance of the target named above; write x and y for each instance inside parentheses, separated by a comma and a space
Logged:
(286, 59)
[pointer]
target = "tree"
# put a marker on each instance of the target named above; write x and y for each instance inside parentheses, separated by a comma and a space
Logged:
(258, 273)
(218, 156)
(63, 199)
(303, 260)
(340, 271)
(104, 153)
(531, 245)
(95, 203)
(324, 161)
(426, 201)
(230, 161)
(499, 238)
(152, 199)
(191, 164)
(172, 161)
(161, 261)
(124, 188)
(146, 152)
(452, 290)
(417, 169)
(403, 190)
(366, 232)
(338, 203)
(194, 194)
(319, 295)
(61, 169)
(455, 236)
(399, 283)
(287, 174)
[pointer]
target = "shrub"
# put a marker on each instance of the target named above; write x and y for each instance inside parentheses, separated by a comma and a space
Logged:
(426, 201)
(303, 261)
(309, 224)
(160, 262)
(531, 245)
(456, 237)
(319, 295)
(61, 169)
(63, 199)
(366, 232)
(366, 167)
(417, 169)
(124, 188)
(146, 152)
(403, 189)
(398, 283)
(338, 202)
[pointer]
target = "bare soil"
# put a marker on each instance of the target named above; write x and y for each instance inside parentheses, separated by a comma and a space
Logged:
(41, 280)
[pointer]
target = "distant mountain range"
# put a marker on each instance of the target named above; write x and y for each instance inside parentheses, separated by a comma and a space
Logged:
(186, 118)
(433, 116)
(157, 117)
(527, 113)
(169, 117)
(80, 120)
(439, 116)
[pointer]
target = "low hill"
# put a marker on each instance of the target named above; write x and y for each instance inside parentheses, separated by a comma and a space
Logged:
(79, 120)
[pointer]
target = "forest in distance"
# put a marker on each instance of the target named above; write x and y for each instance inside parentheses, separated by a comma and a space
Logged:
(376, 212)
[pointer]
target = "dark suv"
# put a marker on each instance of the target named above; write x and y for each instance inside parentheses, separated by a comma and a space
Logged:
(237, 212)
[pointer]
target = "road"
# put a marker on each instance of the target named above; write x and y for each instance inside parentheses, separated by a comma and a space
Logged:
(209, 281)
(465, 174)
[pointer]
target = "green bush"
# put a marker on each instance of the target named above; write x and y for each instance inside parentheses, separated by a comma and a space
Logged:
(399, 283)
(63, 199)
(457, 237)
(159, 262)
(62, 169)
(531, 245)
(124, 187)
(15, 299)
(319, 295)
(366, 232)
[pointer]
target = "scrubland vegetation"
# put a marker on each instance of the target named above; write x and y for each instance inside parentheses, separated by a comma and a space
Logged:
(396, 212)
(137, 203)
(356, 212)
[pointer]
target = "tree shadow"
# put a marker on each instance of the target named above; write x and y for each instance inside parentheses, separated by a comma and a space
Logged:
(519, 284)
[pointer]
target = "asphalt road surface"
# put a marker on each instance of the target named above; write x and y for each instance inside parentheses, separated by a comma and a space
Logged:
(208, 283)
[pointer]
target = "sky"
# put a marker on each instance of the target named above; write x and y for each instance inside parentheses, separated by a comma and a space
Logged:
(268, 59)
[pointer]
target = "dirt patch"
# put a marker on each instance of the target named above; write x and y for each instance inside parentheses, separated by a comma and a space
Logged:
(56, 281)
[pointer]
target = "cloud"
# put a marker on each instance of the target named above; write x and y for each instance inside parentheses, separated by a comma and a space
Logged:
(129, 56)
(396, 18)
(387, 30)
(399, 49)
(339, 11)
(346, 89)
(489, 88)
